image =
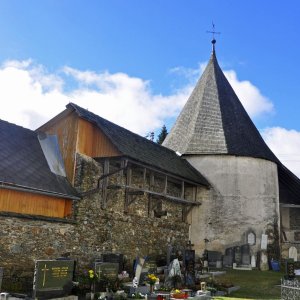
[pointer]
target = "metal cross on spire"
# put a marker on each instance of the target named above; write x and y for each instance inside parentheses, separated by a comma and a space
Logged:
(213, 31)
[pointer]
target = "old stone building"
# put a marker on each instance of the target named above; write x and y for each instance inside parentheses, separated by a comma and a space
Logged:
(80, 185)
(252, 191)
(129, 195)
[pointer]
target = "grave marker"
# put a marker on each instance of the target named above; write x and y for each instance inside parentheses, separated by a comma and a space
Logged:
(1, 277)
(251, 238)
(53, 278)
(106, 270)
(245, 249)
(264, 242)
(293, 253)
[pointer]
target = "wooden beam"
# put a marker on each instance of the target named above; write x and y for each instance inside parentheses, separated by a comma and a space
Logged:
(165, 173)
(167, 197)
(105, 183)
(144, 177)
(166, 185)
(128, 184)
(182, 189)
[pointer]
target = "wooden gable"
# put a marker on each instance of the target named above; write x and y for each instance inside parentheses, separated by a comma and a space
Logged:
(76, 135)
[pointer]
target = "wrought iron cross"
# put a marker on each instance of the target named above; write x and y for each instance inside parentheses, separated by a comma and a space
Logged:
(213, 31)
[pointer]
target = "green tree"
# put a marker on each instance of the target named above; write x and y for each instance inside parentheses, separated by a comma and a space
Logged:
(162, 135)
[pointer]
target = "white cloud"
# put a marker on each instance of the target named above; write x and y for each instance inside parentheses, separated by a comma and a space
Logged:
(254, 102)
(286, 146)
(31, 96)
(252, 99)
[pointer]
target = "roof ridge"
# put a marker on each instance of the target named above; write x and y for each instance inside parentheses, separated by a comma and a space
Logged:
(121, 127)
(18, 126)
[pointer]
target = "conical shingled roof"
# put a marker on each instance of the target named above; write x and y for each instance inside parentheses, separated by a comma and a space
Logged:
(213, 121)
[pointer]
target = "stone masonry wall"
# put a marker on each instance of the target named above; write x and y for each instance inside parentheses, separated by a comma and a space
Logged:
(91, 231)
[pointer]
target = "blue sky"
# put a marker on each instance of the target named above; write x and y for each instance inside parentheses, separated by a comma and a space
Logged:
(110, 55)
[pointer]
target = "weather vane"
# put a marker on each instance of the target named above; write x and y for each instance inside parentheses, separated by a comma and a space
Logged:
(213, 31)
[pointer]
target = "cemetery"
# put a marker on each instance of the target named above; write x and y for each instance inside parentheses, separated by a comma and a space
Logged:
(176, 274)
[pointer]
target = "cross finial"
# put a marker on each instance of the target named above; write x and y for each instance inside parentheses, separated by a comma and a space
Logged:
(213, 31)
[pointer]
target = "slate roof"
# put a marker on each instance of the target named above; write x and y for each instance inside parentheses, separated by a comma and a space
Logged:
(141, 149)
(23, 164)
(213, 121)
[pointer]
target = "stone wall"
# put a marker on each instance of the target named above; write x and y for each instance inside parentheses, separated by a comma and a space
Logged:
(91, 231)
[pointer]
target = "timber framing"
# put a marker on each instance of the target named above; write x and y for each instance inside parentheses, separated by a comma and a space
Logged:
(121, 169)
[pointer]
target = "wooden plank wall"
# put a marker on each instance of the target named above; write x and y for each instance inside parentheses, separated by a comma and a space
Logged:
(65, 126)
(92, 141)
(34, 204)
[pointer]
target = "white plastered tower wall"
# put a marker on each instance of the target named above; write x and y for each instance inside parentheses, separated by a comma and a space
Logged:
(244, 198)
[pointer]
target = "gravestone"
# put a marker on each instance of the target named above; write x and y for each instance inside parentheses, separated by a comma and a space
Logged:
(264, 242)
(53, 278)
(228, 257)
(150, 264)
(189, 263)
(1, 277)
(290, 268)
(245, 250)
(253, 261)
(113, 258)
(107, 270)
(264, 264)
(213, 257)
(237, 255)
(251, 238)
(293, 253)
(139, 267)
(169, 254)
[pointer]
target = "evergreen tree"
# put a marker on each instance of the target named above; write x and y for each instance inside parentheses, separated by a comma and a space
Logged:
(162, 135)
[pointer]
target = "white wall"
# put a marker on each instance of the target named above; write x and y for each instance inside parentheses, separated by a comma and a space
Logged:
(244, 197)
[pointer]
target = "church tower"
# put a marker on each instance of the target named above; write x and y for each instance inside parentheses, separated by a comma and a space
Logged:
(215, 134)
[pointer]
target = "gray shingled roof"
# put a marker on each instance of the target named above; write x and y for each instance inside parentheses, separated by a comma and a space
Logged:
(141, 149)
(213, 121)
(23, 164)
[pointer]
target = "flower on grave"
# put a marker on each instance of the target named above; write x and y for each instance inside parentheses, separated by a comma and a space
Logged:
(91, 274)
(152, 279)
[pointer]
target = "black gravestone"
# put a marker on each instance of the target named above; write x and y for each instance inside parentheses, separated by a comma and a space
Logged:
(107, 270)
(189, 263)
(150, 264)
(213, 257)
(113, 258)
(237, 255)
(228, 257)
(1, 277)
(290, 268)
(53, 278)
(245, 250)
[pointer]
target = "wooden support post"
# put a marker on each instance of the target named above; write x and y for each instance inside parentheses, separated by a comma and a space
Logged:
(183, 213)
(144, 177)
(128, 183)
(182, 190)
(151, 185)
(105, 183)
(166, 185)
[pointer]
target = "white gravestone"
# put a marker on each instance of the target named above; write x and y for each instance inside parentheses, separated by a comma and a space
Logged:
(253, 261)
(264, 242)
(251, 238)
(139, 268)
(293, 253)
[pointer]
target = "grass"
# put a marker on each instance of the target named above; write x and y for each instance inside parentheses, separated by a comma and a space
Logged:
(254, 284)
